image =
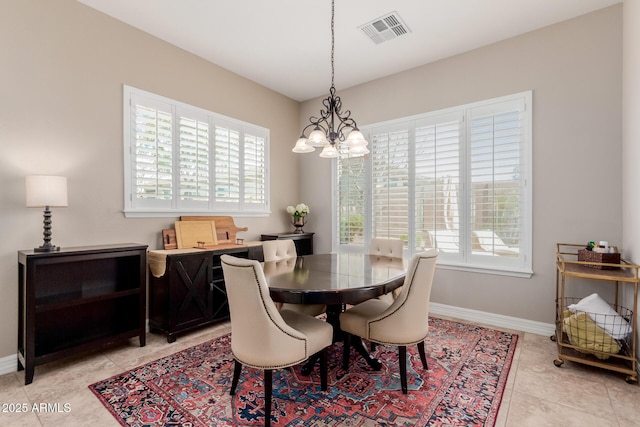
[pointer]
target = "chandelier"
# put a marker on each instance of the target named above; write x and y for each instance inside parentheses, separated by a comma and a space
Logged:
(332, 124)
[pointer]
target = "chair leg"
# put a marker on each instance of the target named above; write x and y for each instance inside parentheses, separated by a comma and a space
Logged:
(423, 356)
(346, 351)
(268, 374)
(372, 345)
(323, 370)
(402, 358)
(236, 376)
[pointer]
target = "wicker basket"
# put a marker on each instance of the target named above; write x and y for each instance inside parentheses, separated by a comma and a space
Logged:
(597, 257)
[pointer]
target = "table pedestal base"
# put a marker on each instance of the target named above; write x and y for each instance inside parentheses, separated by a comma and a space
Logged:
(333, 318)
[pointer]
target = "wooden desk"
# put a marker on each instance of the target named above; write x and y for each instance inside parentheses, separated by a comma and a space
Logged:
(335, 280)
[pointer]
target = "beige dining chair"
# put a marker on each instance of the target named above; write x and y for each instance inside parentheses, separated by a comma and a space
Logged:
(276, 250)
(401, 323)
(279, 250)
(388, 247)
(263, 337)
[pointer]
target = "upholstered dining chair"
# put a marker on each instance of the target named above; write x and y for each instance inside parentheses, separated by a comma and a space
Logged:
(390, 248)
(279, 250)
(401, 323)
(386, 247)
(263, 337)
(276, 250)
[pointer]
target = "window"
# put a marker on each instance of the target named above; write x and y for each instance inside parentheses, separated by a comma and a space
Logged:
(458, 180)
(180, 159)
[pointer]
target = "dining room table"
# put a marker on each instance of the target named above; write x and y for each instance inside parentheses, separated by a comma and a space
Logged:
(337, 280)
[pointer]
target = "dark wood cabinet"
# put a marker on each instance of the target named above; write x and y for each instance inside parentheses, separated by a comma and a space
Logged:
(79, 299)
(191, 292)
(303, 241)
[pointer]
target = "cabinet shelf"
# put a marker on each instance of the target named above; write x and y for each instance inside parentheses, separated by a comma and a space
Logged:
(75, 299)
(78, 299)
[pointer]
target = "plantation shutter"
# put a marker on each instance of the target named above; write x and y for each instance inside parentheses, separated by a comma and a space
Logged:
(437, 183)
(227, 166)
(496, 184)
(255, 173)
(180, 159)
(455, 180)
(351, 185)
(390, 183)
(153, 146)
(194, 162)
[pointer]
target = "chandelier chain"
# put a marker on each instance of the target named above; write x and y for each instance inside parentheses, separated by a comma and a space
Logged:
(332, 41)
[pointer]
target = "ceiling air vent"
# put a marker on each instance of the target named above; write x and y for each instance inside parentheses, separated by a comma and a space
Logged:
(385, 28)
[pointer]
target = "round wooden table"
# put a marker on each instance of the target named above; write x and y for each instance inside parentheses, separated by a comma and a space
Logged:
(335, 280)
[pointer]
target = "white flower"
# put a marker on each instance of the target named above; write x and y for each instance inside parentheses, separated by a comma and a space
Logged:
(299, 210)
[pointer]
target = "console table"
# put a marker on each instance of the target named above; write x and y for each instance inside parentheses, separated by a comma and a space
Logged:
(186, 288)
(79, 299)
(303, 241)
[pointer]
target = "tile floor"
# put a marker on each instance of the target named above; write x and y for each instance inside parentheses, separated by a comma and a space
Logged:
(537, 394)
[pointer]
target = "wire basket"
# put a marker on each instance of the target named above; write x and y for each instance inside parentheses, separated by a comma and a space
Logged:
(594, 333)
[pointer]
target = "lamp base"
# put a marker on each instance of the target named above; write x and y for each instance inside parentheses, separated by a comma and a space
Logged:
(50, 248)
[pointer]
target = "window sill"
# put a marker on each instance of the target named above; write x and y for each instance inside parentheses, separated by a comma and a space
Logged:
(176, 213)
(503, 271)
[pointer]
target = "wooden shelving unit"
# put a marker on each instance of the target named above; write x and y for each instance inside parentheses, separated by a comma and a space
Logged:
(622, 274)
(79, 299)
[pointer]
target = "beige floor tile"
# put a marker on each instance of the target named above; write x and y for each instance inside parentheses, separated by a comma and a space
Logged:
(531, 411)
(625, 400)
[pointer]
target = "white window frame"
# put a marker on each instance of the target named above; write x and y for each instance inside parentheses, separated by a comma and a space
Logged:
(176, 206)
(466, 260)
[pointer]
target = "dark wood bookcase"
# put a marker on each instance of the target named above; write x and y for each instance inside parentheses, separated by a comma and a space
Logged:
(79, 299)
(191, 293)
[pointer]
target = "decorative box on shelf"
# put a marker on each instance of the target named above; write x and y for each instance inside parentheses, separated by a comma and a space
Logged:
(599, 258)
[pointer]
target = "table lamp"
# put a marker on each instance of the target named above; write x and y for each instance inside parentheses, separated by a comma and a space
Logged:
(46, 191)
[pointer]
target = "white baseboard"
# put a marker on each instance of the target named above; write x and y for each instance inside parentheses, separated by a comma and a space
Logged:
(492, 319)
(9, 364)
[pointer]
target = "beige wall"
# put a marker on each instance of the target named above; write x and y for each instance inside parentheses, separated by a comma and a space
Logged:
(62, 67)
(574, 70)
(631, 137)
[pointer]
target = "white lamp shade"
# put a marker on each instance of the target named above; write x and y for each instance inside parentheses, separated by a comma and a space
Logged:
(302, 146)
(359, 150)
(329, 151)
(317, 138)
(46, 190)
(355, 138)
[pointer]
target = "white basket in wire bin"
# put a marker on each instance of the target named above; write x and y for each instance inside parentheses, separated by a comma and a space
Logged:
(596, 327)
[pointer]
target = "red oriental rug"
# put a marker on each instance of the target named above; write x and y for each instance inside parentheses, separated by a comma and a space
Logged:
(468, 368)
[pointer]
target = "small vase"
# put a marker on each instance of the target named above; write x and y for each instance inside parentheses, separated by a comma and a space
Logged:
(298, 223)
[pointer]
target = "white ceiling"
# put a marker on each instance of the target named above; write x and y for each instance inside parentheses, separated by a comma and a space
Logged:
(285, 45)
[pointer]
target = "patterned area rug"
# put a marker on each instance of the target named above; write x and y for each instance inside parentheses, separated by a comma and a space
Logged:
(468, 368)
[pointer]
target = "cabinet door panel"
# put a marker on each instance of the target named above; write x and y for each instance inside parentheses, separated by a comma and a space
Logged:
(190, 290)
